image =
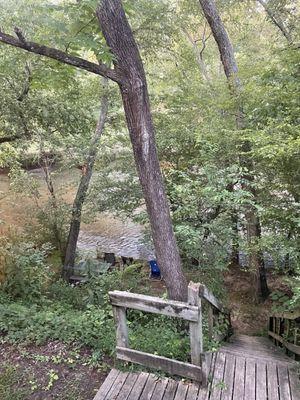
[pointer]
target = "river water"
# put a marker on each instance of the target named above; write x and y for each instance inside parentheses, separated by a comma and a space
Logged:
(105, 233)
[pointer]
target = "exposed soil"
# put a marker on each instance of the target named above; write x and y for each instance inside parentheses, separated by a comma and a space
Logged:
(247, 316)
(48, 372)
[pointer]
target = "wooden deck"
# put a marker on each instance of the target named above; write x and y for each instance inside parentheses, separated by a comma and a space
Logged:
(246, 368)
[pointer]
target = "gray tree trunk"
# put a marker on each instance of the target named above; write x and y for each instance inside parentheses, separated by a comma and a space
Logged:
(231, 71)
(133, 87)
(83, 188)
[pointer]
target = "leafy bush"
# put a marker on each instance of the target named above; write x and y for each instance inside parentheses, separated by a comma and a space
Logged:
(92, 327)
(160, 335)
(26, 270)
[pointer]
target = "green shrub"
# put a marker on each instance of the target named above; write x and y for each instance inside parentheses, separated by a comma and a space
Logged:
(160, 335)
(92, 327)
(26, 271)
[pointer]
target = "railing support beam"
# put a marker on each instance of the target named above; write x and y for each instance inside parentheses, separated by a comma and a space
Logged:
(196, 336)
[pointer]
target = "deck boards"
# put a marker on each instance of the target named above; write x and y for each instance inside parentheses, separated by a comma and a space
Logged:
(247, 368)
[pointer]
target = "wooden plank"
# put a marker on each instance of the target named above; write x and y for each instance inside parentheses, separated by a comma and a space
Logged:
(181, 392)
(107, 384)
(204, 392)
(121, 326)
(250, 379)
(288, 315)
(173, 367)
(116, 387)
(227, 391)
(294, 383)
(149, 387)
(138, 386)
(290, 346)
(159, 390)
(171, 390)
(196, 339)
(272, 377)
(127, 387)
(218, 378)
(239, 379)
(284, 384)
(210, 298)
(206, 359)
(154, 305)
(295, 335)
(192, 392)
(261, 381)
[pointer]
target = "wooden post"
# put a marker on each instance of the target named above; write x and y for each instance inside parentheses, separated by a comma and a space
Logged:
(287, 333)
(276, 330)
(195, 327)
(121, 325)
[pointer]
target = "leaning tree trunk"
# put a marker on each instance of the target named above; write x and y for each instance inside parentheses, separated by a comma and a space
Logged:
(231, 71)
(87, 171)
(133, 87)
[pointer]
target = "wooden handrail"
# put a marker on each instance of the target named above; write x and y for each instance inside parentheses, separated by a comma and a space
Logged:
(211, 299)
(284, 329)
(287, 315)
(190, 311)
(154, 305)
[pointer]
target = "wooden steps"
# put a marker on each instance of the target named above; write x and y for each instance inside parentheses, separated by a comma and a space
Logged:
(255, 347)
(247, 368)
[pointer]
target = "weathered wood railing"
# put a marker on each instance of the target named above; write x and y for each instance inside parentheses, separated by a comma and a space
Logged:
(190, 311)
(285, 330)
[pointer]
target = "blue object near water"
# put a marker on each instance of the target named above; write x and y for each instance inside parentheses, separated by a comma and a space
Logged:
(154, 269)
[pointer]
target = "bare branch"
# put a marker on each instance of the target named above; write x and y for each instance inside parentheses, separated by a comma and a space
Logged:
(20, 35)
(50, 52)
(276, 21)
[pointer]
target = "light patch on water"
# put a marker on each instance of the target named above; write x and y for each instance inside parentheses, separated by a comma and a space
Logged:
(106, 233)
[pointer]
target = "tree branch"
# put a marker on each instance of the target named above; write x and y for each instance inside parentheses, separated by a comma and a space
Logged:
(8, 139)
(50, 52)
(277, 21)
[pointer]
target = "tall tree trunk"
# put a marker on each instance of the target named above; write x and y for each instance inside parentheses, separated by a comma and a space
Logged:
(83, 187)
(231, 71)
(134, 92)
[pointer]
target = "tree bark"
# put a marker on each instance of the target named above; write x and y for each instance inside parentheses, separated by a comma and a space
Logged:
(134, 92)
(83, 187)
(50, 52)
(231, 71)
